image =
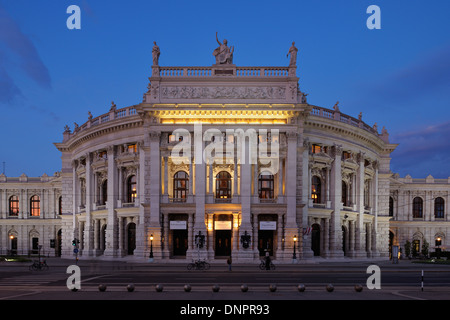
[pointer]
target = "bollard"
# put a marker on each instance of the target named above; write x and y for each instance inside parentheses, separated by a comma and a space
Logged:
(159, 288)
(273, 288)
(102, 287)
(130, 287)
(358, 288)
(187, 288)
(244, 288)
(330, 287)
(215, 288)
(301, 287)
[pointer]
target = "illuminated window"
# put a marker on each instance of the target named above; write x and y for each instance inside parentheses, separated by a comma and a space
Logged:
(172, 138)
(266, 185)
(180, 185)
(223, 185)
(131, 189)
(14, 206)
(316, 186)
(132, 148)
(103, 155)
(439, 208)
(35, 206)
(315, 148)
(417, 207)
(346, 155)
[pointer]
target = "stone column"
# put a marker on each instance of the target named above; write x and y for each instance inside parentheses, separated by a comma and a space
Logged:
(292, 227)
(166, 249)
(280, 182)
(200, 189)
(279, 236)
(88, 235)
(154, 226)
(255, 239)
(143, 198)
(325, 250)
(111, 244)
(336, 204)
(374, 252)
(190, 248)
(121, 250)
(246, 255)
(351, 232)
(305, 240)
(166, 177)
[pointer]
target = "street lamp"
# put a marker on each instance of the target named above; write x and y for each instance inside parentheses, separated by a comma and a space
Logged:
(151, 246)
(294, 257)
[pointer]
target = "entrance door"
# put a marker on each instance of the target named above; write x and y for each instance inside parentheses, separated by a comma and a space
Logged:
(223, 243)
(265, 242)
(315, 239)
(180, 242)
(14, 246)
(131, 238)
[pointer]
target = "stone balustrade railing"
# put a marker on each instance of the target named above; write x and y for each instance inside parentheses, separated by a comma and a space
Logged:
(111, 115)
(337, 115)
(234, 71)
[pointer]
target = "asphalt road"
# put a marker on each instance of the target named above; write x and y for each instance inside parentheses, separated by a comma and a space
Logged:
(401, 281)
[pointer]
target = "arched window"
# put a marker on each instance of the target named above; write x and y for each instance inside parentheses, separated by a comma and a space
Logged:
(223, 185)
(417, 207)
(35, 206)
(344, 194)
(13, 206)
(180, 185)
(439, 208)
(391, 207)
(316, 187)
(131, 189)
(265, 185)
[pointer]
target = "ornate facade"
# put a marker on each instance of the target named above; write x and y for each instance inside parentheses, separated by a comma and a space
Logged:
(232, 156)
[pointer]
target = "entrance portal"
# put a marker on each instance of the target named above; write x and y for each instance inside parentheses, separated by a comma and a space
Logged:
(180, 242)
(265, 242)
(131, 238)
(315, 239)
(223, 243)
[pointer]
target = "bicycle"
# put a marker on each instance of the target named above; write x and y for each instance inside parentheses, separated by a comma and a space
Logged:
(262, 265)
(198, 265)
(38, 265)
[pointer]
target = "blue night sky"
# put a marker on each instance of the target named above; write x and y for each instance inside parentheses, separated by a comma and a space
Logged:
(398, 76)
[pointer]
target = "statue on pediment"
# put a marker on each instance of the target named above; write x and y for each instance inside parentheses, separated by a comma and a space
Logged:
(223, 53)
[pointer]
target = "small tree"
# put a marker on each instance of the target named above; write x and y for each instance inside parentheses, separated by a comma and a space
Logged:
(407, 249)
(425, 247)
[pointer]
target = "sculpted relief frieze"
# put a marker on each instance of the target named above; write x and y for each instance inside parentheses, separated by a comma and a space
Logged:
(183, 92)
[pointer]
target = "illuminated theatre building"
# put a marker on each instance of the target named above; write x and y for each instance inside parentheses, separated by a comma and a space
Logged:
(231, 155)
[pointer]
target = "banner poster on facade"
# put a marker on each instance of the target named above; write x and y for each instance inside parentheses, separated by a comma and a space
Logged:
(267, 225)
(178, 225)
(222, 225)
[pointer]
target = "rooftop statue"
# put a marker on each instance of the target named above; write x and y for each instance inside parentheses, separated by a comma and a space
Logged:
(155, 54)
(223, 54)
(293, 52)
